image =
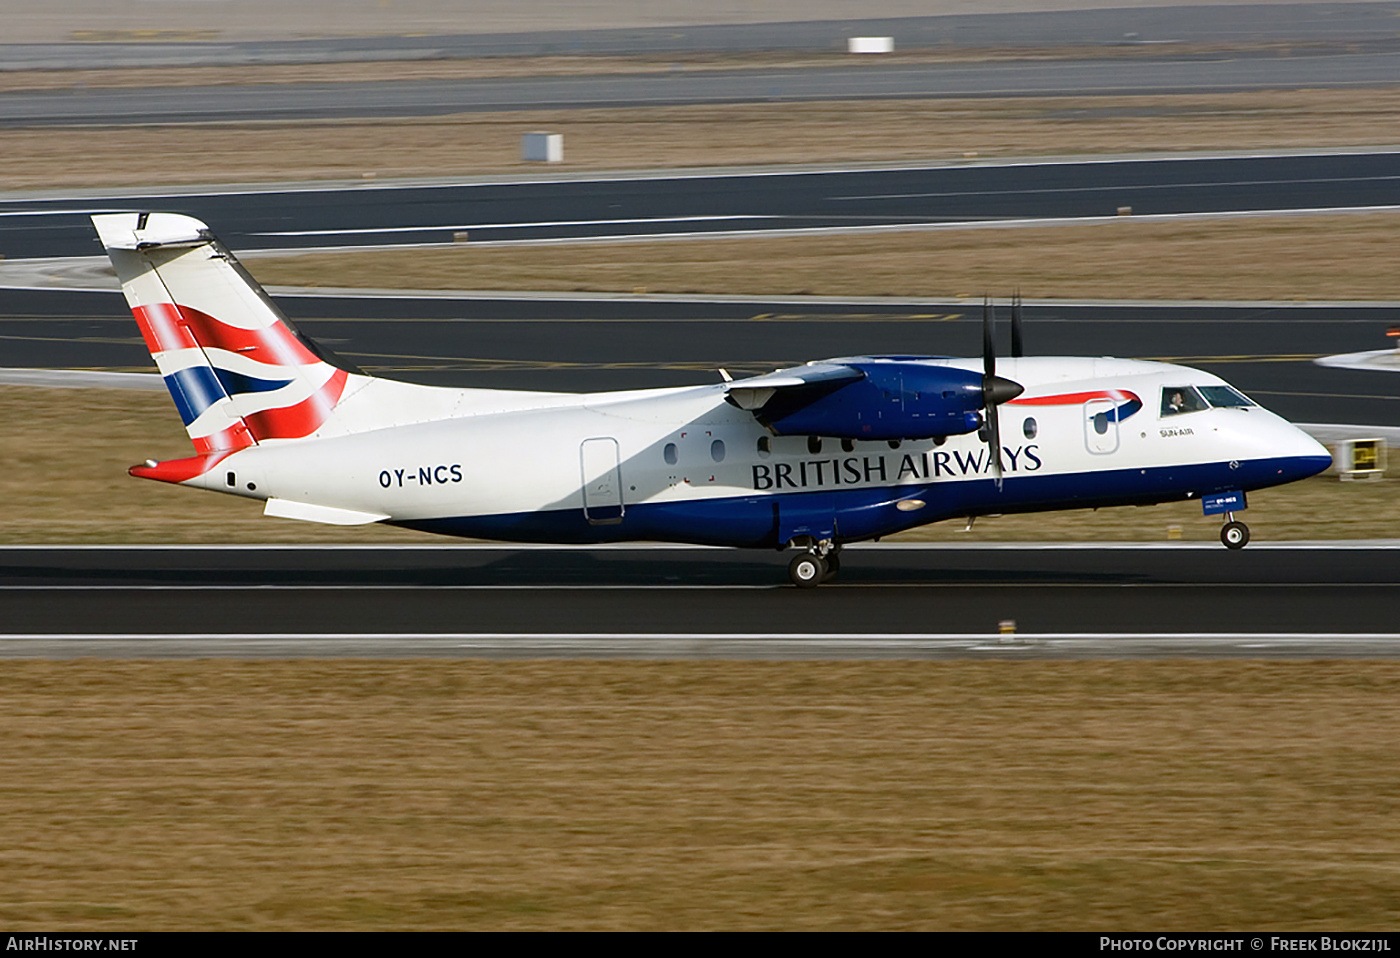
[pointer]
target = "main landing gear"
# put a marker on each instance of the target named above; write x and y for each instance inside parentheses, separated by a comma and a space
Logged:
(1234, 534)
(817, 562)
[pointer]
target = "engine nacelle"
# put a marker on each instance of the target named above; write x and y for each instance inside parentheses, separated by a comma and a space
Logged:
(892, 400)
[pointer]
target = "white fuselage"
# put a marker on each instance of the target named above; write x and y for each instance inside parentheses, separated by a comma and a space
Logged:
(686, 465)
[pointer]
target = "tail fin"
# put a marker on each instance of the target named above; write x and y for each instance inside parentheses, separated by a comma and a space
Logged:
(239, 372)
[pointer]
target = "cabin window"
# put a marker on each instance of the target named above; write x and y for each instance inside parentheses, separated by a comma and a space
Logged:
(1181, 399)
(669, 454)
(894, 443)
(1101, 423)
(814, 444)
(1029, 428)
(765, 447)
(717, 450)
(848, 445)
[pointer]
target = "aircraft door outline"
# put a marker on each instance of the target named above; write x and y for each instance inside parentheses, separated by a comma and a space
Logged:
(1101, 426)
(600, 469)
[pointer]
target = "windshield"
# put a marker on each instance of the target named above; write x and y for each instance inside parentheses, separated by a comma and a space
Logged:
(1181, 399)
(1225, 396)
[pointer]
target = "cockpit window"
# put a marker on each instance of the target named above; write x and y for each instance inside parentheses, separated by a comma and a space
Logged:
(1181, 399)
(1219, 396)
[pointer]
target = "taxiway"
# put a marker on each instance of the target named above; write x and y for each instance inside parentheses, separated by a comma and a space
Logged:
(1292, 600)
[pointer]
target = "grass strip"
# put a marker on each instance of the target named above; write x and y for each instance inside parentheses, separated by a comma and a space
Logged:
(1324, 257)
(305, 795)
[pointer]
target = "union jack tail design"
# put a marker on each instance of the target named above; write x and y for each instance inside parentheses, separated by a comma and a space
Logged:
(239, 372)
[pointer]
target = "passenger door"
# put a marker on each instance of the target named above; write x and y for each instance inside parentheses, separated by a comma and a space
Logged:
(601, 469)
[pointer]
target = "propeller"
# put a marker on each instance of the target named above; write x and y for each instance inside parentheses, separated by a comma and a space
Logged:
(1017, 348)
(995, 389)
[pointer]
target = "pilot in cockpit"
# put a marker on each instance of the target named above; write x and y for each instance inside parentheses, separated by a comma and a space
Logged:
(1181, 399)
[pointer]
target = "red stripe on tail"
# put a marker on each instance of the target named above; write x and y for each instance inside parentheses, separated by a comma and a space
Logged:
(274, 345)
(166, 326)
(162, 328)
(294, 422)
(228, 440)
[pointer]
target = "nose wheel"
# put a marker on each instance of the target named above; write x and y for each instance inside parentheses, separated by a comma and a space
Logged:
(1234, 534)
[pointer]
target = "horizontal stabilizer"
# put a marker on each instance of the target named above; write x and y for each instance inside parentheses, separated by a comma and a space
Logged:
(328, 515)
(149, 230)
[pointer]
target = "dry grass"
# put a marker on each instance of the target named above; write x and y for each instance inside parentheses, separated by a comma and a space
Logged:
(1275, 258)
(67, 451)
(413, 795)
(689, 136)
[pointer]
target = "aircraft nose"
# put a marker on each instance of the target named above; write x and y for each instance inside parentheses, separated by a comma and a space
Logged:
(1285, 452)
(1304, 455)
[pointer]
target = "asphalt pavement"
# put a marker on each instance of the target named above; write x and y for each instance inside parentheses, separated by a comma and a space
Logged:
(496, 210)
(1019, 601)
(587, 344)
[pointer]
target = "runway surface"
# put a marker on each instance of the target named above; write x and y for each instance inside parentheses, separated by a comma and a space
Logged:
(1281, 600)
(405, 98)
(635, 342)
(662, 204)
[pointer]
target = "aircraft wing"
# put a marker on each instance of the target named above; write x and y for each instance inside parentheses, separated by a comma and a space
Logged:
(866, 398)
(795, 387)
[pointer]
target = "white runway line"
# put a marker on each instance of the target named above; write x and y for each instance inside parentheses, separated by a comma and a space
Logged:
(480, 546)
(751, 645)
(537, 224)
(81, 379)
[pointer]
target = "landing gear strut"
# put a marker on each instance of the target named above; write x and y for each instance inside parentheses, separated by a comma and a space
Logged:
(1234, 534)
(817, 562)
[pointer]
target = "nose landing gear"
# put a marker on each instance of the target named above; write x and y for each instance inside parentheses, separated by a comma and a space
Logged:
(818, 562)
(1234, 534)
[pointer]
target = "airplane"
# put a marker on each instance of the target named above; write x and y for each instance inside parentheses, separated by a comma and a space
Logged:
(807, 458)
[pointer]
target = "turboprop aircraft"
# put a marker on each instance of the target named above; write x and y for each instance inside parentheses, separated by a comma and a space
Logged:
(807, 458)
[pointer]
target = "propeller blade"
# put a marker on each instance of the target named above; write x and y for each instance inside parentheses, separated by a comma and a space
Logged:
(1017, 348)
(995, 389)
(994, 440)
(989, 345)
